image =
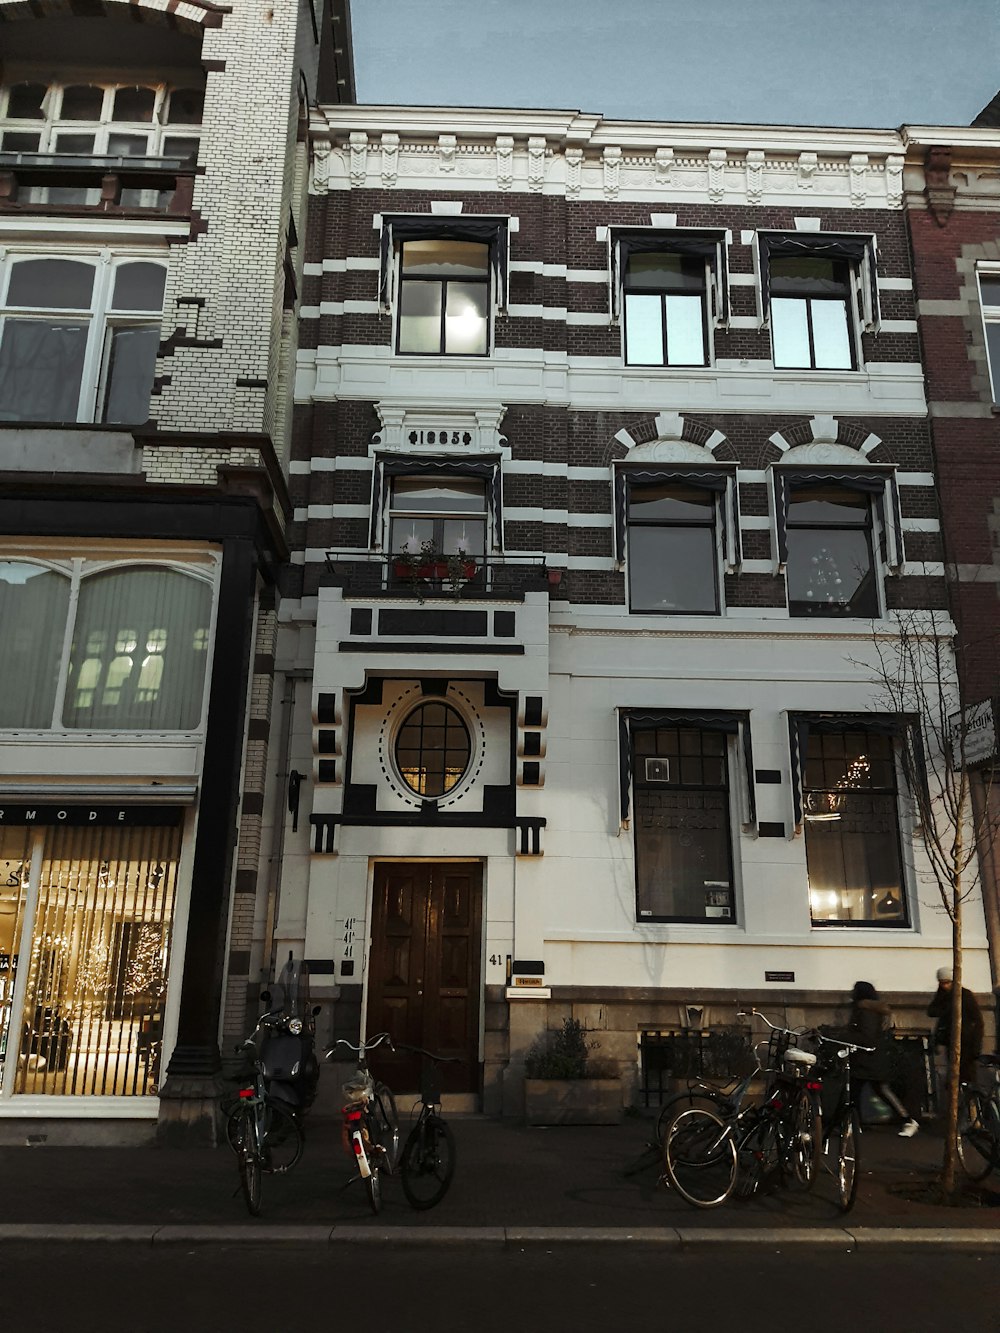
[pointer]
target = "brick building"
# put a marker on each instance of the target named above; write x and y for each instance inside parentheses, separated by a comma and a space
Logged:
(953, 211)
(152, 180)
(611, 471)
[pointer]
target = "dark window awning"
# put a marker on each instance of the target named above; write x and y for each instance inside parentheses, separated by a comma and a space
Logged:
(875, 480)
(491, 231)
(486, 469)
(899, 725)
(721, 479)
(859, 249)
(731, 723)
(709, 244)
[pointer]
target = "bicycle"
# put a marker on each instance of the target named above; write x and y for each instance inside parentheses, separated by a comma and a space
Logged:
(371, 1123)
(842, 1135)
(710, 1150)
(262, 1132)
(428, 1161)
(979, 1124)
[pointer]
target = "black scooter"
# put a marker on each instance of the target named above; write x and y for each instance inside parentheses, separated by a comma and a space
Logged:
(287, 1042)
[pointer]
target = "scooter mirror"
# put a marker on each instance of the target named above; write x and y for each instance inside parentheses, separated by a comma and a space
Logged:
(265, 995)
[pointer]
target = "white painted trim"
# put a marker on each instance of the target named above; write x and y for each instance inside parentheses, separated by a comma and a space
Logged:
(103, 229)
(895, 284)
(32, 1106)
(352, 262)
(897, 325)
(339, 308)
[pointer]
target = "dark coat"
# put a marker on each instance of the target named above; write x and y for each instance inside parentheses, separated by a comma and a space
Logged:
(972, 1027)
(869, 1024)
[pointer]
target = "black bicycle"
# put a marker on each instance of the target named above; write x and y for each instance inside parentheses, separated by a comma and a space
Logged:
(428, 1161)
(262, 1132)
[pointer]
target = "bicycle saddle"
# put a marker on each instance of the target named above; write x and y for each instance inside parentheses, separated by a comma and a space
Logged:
(797, 1056)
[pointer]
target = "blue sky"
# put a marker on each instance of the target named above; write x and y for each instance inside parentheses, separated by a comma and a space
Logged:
(814, 62)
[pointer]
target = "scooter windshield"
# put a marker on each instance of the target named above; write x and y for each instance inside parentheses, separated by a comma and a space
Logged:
(290, 994)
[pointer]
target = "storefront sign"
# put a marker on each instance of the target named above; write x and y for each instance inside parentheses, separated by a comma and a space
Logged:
(975, 732)
(82, 816)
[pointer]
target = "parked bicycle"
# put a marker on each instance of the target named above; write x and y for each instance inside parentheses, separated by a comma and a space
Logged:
(979, 1124)
(725, 1145)
(371, 1124)
(428, 1161)
(842, 1118)
(261, 1130)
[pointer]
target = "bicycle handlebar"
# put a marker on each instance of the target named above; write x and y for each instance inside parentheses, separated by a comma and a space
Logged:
(813, 1033)
(364, 1046)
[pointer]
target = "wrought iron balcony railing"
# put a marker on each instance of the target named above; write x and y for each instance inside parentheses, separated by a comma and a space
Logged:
(375, 574)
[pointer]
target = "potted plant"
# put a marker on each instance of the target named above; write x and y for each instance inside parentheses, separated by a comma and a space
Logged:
(565, 1085)
(422, 563)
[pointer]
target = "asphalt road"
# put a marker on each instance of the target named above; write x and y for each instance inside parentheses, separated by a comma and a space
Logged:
(92, 1288)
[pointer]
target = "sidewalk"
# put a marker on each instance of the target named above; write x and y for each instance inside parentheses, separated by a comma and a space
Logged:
(512, 1185)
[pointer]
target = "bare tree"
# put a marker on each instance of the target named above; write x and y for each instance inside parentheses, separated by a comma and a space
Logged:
(916, 675)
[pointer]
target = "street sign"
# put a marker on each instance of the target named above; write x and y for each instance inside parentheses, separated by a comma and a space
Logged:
(978, 723)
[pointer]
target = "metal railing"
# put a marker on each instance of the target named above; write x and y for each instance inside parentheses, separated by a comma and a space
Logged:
(375, 574)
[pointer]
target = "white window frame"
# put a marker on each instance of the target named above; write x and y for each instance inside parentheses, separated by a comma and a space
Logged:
(989, 314)
(157, 129)
(864, 311)
(100, 319)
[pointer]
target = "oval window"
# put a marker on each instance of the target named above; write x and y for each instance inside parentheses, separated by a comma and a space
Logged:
(433, 749)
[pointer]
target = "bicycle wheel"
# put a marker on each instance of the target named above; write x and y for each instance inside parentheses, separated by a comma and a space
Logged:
(700, 1157)
(758, 1157)
(373, 1187)
(806, 1149)
(249, 1161)
(845, 1147)
(384, 1125)
(283, 1141)
(977, 1148)
(428, 1162)
(680, 1101)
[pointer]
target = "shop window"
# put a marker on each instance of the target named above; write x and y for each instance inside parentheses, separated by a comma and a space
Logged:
(850, 815)
(91, 1022)
(683, 826)
(830, 567)
(672, 549)
(138, 656)
(433, 749)
(665, 310)
(444, 297)
(989, 295)
(79, 338)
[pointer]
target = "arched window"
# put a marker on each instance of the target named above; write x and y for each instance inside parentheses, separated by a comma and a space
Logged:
(138, 659)
(34, 602)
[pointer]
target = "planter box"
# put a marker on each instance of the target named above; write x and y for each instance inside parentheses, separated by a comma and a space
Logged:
(577, 1101)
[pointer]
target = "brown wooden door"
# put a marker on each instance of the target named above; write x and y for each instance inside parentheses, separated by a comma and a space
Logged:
(424, 969)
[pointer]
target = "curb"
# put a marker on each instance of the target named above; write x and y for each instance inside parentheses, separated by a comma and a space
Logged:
(856, 1238)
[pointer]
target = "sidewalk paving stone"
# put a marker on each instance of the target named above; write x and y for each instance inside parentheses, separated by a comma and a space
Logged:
(511, 1180)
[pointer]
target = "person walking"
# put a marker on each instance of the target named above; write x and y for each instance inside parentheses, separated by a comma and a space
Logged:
(870, 1016)
(972, 1029)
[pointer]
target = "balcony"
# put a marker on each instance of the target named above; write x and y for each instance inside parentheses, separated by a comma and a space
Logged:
(45, 183)
(372, 575)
